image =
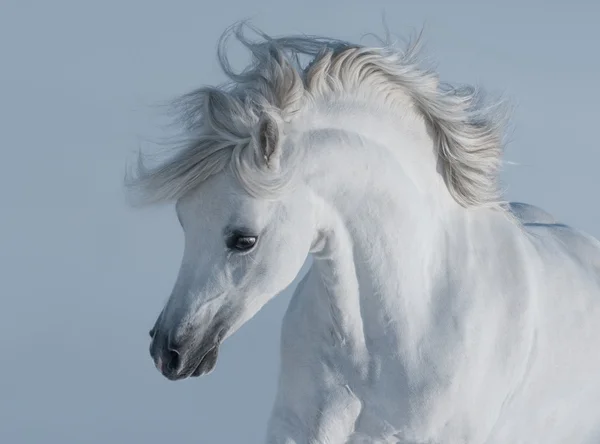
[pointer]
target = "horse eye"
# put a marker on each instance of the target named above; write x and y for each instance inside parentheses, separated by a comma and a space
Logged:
(241, 242)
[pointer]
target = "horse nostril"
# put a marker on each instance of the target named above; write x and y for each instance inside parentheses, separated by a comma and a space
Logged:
(172, 360)
(152, 333)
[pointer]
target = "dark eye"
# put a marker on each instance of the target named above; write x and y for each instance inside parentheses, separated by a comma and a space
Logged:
(241, 242)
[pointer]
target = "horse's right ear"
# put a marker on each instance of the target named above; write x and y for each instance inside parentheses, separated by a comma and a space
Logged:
(269, 141)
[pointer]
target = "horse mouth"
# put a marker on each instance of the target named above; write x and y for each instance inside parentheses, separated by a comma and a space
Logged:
(207, 362)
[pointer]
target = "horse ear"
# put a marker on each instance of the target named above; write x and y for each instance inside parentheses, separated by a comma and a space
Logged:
(269, 140)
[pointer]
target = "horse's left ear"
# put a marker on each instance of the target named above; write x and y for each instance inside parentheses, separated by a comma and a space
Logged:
(269, 140)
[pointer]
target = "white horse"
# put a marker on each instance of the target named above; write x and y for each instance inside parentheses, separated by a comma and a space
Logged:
(434, 312)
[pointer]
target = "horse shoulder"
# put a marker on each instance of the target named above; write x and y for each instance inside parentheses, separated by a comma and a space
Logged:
(304, 386)
(287, 423)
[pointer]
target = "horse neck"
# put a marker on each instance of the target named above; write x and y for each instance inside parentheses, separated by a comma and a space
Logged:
(385, 213)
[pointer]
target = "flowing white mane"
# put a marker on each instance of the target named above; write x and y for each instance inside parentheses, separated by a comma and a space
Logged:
(220, 122)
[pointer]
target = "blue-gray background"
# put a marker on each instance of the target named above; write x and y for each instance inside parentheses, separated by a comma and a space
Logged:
(83, 276)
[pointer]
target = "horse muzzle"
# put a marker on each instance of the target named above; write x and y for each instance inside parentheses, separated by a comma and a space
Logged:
(184, 358)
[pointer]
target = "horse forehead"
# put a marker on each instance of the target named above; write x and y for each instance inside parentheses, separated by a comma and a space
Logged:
(224, 201)
(214, 188)
(213, 195)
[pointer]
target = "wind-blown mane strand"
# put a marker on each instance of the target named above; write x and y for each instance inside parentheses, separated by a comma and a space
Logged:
(221, 121)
